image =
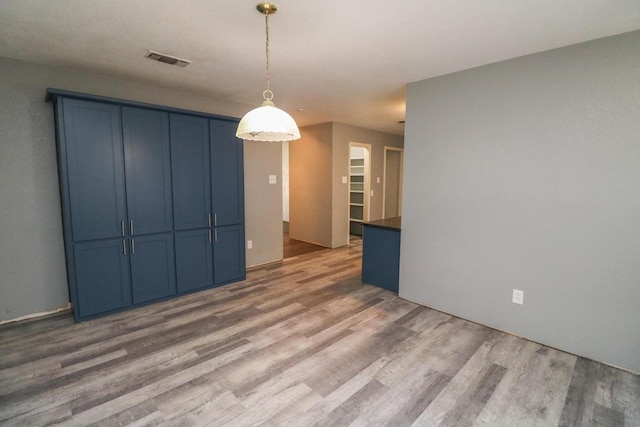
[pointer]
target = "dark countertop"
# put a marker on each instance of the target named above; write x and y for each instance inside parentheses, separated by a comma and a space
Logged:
(388, 223)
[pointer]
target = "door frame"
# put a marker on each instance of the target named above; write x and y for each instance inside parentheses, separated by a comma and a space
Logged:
(367, 182)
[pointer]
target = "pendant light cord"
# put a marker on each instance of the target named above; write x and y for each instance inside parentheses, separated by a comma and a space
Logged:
(267, 94)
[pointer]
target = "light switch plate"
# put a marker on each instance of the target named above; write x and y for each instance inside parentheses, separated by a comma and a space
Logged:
(344, 179)
(378, 180)
(272, 179)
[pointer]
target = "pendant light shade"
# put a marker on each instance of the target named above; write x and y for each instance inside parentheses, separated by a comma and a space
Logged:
(267, 122)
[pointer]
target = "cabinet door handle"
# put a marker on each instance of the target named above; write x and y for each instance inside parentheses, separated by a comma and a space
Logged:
(133, 246)
(209, 235)
(216, 234)
(131, 227)
(122, 227)
(209, 220)
(215, 219)
(124, 247)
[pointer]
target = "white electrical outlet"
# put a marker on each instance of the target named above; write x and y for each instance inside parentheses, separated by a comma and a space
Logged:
(272, 179)
(371, 193)
(344, 179)
(249, 244)
(518, 297)
(378, 180)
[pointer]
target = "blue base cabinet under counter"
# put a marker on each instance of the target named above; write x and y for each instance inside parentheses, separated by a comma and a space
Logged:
(381, 253)
(152, 201)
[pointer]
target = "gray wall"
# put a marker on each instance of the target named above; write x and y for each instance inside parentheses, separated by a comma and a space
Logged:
(32, 268)
(526, 174)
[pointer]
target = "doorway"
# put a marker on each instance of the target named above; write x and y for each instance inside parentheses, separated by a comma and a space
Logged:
(359, 186)
(392, 179)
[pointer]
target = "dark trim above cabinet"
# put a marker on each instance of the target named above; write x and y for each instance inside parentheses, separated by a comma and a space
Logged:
(53, 94)
(152, 201)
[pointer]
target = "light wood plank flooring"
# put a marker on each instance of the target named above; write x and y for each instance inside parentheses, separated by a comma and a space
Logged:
(301, 342)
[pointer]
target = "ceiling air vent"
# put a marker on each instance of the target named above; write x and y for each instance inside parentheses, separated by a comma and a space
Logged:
(167, 59)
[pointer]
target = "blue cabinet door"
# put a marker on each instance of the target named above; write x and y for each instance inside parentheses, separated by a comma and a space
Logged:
(147, 159)
(152, 267)
(92, 168)
(194, 260)
(190, 164)
(381, 257)
(227, 173)
(228, 254)
(101, 277)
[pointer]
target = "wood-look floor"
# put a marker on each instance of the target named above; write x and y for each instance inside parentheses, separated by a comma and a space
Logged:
(292, 247)
(301, 342)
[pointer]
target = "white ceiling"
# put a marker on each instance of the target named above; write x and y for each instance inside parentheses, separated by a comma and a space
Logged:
(335, 60)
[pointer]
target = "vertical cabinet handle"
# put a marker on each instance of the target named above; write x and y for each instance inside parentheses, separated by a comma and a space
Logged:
(209, 235)
(216, 234)
(209, 220)
(131, 227)
(122, 227)
(215, 219)
(124, 247)
(133, 246)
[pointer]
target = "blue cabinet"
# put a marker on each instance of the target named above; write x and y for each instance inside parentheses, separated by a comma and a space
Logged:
(228, 254)
(100, 275)
(152, 267)
(227, 174)
(93, 165)
(147, 159)
(152, 201)
(381, 256)
(208, 183)
(194, 259)
(190, 163)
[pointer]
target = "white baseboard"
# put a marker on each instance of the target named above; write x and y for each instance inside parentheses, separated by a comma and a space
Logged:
(36, 315)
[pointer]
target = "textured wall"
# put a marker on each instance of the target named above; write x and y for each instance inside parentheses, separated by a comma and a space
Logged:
(32, 267)
(526, 174)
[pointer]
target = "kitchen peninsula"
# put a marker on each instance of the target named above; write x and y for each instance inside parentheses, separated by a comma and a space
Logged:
(381, 253)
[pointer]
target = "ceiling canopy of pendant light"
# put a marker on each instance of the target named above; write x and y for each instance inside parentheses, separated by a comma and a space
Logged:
(267, 122)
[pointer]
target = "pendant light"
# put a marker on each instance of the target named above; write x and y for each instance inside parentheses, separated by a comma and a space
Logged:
(267, 122)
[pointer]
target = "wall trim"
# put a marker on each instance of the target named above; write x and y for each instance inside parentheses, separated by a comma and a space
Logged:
(37, 315)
